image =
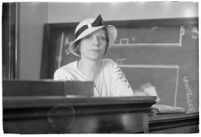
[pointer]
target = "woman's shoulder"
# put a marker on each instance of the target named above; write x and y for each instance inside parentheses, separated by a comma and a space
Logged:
(109, 63)
(65, 72)
(68, 67)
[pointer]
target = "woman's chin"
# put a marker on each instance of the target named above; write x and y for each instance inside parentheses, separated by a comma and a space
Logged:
(95, 56)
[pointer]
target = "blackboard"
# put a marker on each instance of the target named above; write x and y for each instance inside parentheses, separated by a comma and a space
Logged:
(161, 51)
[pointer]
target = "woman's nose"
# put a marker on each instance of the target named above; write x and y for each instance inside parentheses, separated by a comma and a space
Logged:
(95, 40)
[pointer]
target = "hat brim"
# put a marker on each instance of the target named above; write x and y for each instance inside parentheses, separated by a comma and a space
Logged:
(112, 34)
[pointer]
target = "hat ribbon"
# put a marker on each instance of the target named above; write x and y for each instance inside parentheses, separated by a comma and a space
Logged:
(98, 22)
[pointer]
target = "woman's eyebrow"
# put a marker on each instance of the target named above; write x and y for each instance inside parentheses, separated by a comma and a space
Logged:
(101, 33)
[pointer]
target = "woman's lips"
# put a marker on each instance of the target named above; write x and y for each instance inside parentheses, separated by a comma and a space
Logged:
(95, 49)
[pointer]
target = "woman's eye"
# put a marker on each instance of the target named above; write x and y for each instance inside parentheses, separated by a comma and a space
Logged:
(103, 38)
(98, 37)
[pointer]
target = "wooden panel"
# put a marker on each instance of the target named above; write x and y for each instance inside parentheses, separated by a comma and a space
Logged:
(182, 129)
(99, 123)
(174, 123)
(76, 115)
(137, 102)
(47, 88)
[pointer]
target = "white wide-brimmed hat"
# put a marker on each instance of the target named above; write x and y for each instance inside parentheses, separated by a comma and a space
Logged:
(88, 26)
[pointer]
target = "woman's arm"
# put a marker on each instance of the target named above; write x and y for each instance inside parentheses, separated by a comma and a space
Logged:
(119, 84)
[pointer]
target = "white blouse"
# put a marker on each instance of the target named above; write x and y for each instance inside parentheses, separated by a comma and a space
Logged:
(108, 83)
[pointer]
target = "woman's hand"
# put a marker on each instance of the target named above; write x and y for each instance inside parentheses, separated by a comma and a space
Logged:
(150, 90)
(139, 92)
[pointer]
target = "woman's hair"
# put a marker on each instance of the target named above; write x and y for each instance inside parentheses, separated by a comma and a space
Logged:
(107, 40)
(77, 46)
(77, 43)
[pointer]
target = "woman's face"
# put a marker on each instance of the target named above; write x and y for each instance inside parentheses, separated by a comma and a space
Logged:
(93, 46)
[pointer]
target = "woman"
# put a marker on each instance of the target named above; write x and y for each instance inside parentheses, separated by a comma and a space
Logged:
(92, 40)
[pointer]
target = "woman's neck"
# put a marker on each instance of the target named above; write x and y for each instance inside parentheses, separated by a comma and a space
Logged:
(90, 68)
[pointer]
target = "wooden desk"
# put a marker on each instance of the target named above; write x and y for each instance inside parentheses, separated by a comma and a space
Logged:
(32, 115)
(174, 123)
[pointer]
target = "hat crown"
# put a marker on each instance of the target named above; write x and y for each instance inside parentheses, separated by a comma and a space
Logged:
(88, 21)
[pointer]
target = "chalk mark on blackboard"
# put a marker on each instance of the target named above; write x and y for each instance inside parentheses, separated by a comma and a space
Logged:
(176, 88)
(59, 58)
(189, 93)
(62, 44)
(182, 33)
(154, 28)
(149, 66)
(119, 61)
(173, 66)
(195, 33)
(133, 38)
(67, 42)
(127, 44)
(124, 41)
(67, 52)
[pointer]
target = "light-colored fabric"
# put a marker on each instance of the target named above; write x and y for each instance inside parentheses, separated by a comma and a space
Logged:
(108, 83)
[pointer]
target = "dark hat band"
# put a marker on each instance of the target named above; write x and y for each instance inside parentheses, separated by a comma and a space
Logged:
(98, 22)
